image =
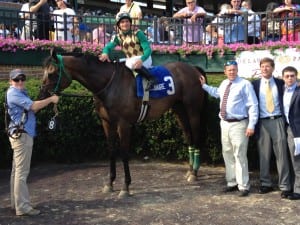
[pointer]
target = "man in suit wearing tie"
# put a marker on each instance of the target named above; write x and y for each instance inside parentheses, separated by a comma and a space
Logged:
(238, 114)
(291, 103)
(271, 129)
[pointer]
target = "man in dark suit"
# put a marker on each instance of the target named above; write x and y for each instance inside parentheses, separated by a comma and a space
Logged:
(270, 129)
(291, 103)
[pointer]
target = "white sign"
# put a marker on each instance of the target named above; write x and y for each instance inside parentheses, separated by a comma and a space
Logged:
(248, 61)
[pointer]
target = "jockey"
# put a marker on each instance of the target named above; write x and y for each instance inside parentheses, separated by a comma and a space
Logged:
(135, 46)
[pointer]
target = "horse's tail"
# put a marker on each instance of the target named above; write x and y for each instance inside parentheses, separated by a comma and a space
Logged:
(203, 116)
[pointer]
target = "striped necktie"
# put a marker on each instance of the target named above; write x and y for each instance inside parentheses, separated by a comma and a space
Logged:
(269, 98)
(224, 101)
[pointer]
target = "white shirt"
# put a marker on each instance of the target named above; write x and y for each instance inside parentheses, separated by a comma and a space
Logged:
(242, 101)
(134, 10)
(59, 18)
(59, 23)
(287, 96)
(25, 14)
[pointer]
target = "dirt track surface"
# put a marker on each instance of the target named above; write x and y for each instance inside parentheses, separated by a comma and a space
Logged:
(72, 194)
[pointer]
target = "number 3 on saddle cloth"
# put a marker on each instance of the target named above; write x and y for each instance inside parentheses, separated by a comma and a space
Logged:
(163, 86)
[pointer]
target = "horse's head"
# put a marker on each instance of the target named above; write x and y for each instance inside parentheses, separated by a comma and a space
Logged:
(55, 78)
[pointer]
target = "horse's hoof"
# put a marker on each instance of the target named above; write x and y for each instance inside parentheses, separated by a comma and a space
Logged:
(191, 178)
(188, 173)
(107, 189)
(123, 194)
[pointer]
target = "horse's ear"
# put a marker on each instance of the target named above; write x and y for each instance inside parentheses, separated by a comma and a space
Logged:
(53, 53)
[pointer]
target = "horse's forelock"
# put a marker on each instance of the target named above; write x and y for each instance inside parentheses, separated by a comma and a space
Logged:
(49, 67)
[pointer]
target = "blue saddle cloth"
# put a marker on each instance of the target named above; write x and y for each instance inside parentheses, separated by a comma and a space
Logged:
(163, 86)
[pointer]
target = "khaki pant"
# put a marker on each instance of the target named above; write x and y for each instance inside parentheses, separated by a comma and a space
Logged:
(22, 151)
(234, 150)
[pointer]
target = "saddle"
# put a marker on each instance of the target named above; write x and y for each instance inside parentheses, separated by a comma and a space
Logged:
(163, 86)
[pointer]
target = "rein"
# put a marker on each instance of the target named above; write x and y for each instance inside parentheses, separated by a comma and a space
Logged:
(110, 81)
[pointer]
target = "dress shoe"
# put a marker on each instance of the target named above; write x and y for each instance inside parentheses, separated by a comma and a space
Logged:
(231, 189)
(294, 196)
(31, 212)
(265, 189)
(285, 194)
(244, 193)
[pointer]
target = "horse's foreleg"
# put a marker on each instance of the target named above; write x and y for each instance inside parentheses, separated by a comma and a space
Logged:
(183, 119)
(111, 137)
(125, 137)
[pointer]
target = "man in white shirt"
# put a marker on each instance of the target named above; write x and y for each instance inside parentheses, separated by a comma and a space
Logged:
(134, 11)
(238, 114)
(29, 22)
(63, 29)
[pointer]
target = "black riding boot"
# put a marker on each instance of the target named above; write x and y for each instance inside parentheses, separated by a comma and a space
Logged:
(145, 73)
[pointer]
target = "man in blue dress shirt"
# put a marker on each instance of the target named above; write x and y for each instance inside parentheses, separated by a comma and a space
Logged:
(238, 114)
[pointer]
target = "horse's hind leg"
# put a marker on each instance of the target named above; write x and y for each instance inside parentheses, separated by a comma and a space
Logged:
(183, 119)
(194, 117)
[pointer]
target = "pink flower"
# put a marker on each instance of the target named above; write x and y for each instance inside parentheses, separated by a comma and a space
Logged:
(12, 45)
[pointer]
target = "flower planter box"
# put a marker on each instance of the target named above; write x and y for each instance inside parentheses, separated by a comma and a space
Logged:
(20, 57)
(161, 59)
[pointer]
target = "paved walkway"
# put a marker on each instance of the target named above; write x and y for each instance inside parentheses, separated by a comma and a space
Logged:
(72, 194)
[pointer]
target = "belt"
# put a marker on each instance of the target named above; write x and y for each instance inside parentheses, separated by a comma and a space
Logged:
(61, 29)
(271, 117)
(235, 120)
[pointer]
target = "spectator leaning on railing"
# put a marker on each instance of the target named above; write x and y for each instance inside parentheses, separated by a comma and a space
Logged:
(290, 20)
(253, 36)
(216, 28)
(270, 24)
(193, 22)
(234, 30)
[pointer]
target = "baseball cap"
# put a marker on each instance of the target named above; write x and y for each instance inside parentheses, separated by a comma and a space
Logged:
(15, 73)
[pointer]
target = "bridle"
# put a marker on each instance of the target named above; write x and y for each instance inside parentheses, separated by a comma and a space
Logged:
(61, 72)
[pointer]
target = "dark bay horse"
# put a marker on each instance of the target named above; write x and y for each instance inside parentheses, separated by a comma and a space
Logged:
(114, 89)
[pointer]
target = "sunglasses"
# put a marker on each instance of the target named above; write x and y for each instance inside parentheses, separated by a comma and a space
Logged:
(19, 79)
(289, 76)
(230, 63)
(190, 2)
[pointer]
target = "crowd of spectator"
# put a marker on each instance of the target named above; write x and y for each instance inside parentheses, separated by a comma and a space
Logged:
(235, 22)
